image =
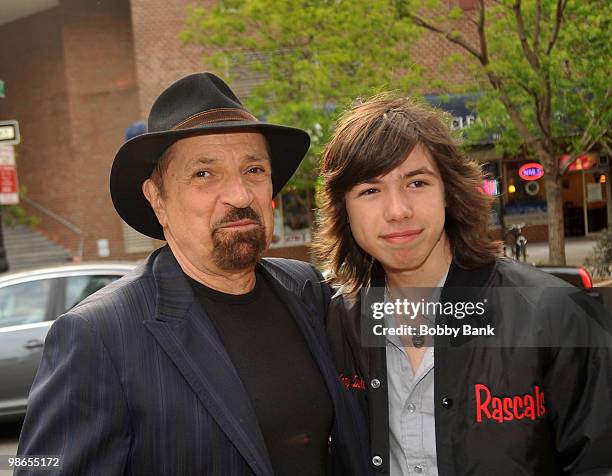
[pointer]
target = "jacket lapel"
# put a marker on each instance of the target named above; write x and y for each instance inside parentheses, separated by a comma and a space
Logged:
(186, 334)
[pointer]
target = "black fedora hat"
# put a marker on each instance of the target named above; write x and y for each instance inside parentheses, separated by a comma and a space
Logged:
(197, 104)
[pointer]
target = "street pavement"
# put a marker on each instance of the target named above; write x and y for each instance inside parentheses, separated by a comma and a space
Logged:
(576, 250)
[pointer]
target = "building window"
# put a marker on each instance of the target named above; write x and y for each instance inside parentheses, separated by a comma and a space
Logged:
(523, 196)
(293, 218)
(134, 242)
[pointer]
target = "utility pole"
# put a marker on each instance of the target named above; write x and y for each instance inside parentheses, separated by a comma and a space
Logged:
(4, 264)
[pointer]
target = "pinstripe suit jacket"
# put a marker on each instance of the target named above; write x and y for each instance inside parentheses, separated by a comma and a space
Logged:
(134, 380)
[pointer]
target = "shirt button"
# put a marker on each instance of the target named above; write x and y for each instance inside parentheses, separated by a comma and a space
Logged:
(375, 383)
(447, 402)
(418, 468)
(411, 407)
(418, 341)
(376, 460)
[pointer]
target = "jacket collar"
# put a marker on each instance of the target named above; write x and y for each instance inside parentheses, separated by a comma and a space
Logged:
(479, 277)
(458, 275)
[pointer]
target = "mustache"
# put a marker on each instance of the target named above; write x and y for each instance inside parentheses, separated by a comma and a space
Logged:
(236, 214)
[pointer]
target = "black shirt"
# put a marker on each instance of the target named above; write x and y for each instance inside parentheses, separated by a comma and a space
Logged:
(282, 379)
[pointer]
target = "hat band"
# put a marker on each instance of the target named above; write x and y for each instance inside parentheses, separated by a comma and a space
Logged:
(215, 115)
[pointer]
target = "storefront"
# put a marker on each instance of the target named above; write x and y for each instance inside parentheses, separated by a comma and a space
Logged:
(583, 191)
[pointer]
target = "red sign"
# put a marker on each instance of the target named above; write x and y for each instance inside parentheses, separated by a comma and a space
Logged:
(490, 187)
(582, 162)
(531, 171)
(8, 185)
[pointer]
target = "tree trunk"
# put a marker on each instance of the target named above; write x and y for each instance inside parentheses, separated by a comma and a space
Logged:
(556, 232)
(4, 264)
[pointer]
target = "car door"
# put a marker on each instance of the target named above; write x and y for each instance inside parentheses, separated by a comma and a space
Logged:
(25, 317)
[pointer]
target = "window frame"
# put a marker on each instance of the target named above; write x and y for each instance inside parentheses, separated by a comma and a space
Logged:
(50, 304)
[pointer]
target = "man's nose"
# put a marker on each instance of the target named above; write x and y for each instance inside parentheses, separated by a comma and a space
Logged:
(397, 206)
(236, 192)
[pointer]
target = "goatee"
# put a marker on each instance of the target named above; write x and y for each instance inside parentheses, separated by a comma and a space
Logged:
(236, 250)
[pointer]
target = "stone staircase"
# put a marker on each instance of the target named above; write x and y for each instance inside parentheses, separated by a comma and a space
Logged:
(26, 248)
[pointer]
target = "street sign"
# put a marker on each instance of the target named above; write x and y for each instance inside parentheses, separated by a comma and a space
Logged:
(9, 132)
(9, 185)
(7, 155)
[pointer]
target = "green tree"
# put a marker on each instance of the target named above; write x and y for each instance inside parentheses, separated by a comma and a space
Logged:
(313, 57)
(543, 67)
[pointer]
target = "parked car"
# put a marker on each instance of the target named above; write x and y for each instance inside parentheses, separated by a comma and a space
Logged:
(29, 303)
(575, 275)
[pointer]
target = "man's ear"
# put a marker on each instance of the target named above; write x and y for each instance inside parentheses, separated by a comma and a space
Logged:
(153, 195)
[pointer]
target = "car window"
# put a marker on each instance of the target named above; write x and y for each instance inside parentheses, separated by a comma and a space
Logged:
(79, 287)
(24, 303)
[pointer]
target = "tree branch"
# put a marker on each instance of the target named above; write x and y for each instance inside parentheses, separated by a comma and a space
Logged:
(536, 30)
(515, 117)
(525, 87)
(482, 34)
(588, 139)
(607, 147)
(457, 39)
(561, 4)
(520, 30)
(539, 113)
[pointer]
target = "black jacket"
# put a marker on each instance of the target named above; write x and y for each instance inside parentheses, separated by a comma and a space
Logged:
(134, 380)
(564, 363)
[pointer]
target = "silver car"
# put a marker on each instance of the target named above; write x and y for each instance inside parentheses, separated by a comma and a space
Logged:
(29, 302)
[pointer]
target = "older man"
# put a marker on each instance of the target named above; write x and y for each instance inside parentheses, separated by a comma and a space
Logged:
(206, 359)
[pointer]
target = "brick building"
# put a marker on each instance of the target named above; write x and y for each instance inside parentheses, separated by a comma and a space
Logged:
(70, 80)
(78, 73)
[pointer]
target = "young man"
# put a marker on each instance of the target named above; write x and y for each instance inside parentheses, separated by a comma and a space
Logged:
(206, 359)
(402, 208)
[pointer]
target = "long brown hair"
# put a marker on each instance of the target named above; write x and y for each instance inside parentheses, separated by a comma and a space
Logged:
(373, 138)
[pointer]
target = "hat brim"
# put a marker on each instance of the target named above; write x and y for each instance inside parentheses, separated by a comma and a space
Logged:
(137, 158)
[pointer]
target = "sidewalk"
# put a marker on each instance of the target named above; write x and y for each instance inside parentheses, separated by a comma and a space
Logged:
(576, 250)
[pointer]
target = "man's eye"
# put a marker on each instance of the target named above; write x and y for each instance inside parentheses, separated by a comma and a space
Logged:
(417, 184)
(202, 173)
(256, 170)
(368, 191)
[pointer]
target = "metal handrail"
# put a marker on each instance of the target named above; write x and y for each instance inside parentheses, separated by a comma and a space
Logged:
(72, 227)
